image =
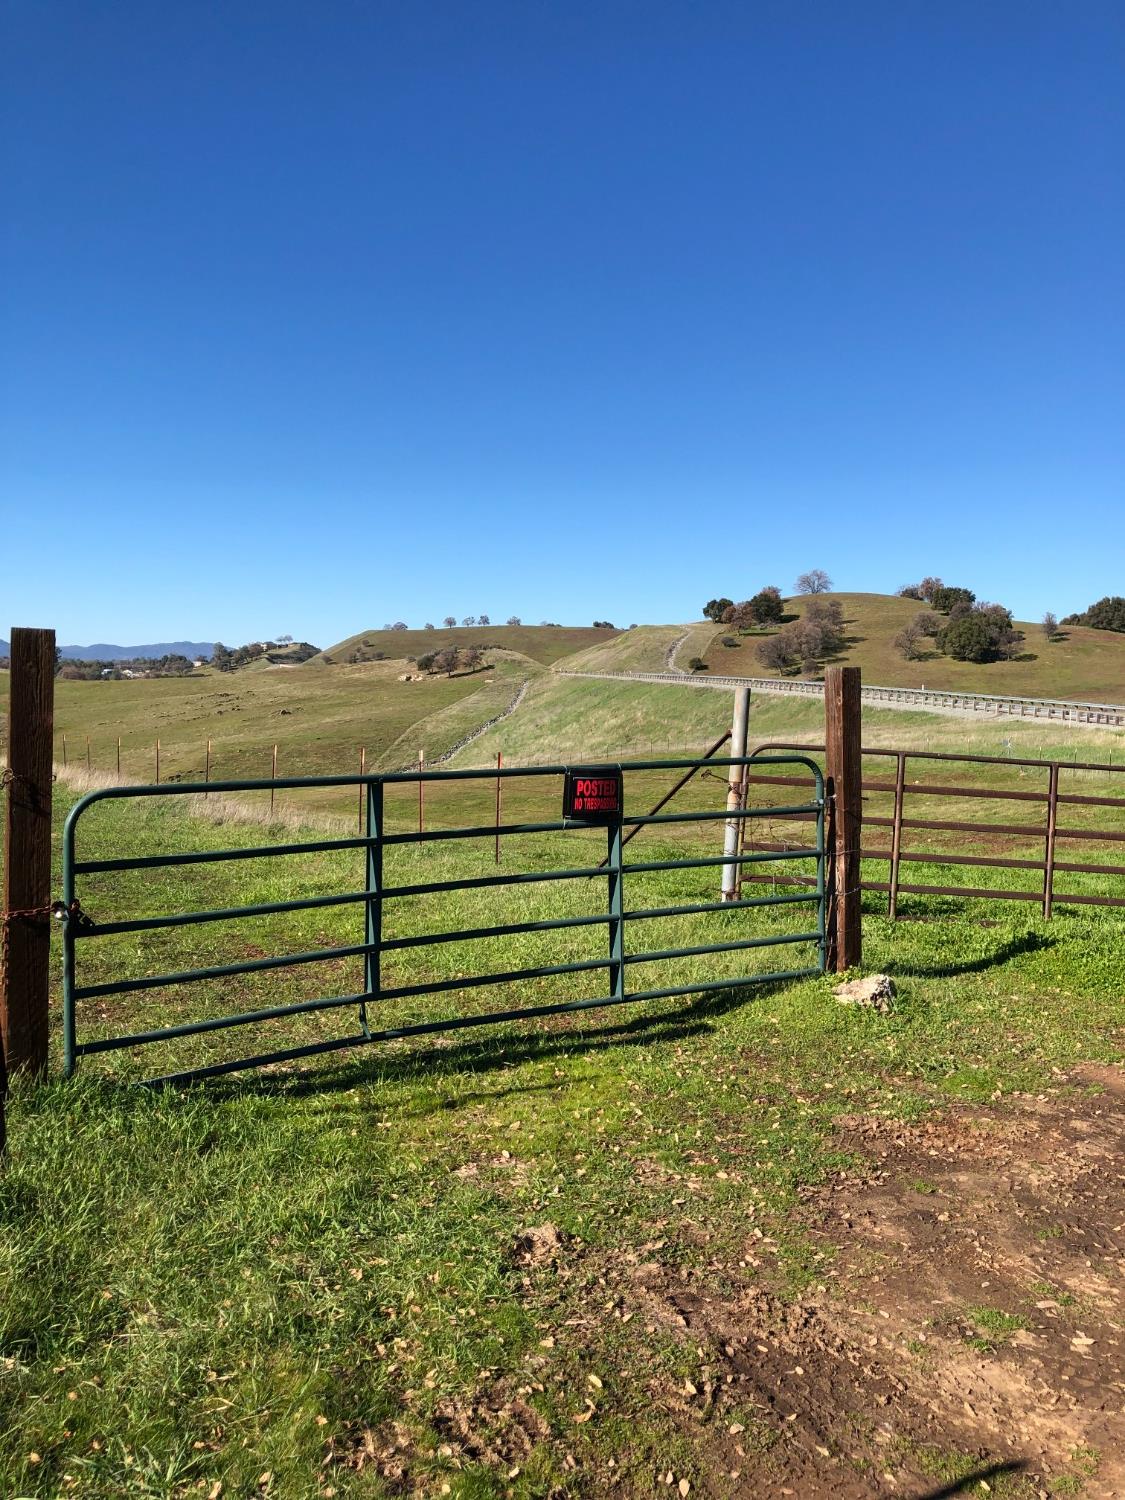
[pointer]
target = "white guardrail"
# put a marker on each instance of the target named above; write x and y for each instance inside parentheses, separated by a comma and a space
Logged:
(1060, 710)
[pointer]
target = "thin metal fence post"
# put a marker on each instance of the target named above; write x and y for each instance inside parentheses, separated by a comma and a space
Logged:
(616, 909)
(896, 835)
(273, 778)
(421, 792)
(207, 766)
(499, 784)
(158, 761)
(1049, 854)
(372, 967)
(64, 749)
(119, 756)
(362, 772)
(87, 754)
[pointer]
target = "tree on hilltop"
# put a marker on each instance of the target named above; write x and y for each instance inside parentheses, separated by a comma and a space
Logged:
(815, 581)
(945, 600)
(767, 605)
(1106, 614)
(449, 621)
(714, 609)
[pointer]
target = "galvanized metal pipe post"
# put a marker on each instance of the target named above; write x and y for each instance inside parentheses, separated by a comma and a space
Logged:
(739, 730)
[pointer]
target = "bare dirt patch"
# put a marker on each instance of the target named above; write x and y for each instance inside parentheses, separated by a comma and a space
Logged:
(971, 1322)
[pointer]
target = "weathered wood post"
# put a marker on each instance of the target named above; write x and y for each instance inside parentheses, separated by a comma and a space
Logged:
(844, 778)
(739, 730)
(25, 918)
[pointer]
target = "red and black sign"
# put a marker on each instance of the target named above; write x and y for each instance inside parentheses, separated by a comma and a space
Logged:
(593, 794)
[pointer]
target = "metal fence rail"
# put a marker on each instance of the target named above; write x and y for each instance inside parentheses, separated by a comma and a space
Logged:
(376, 895)
(1050, 799)
(993, 705)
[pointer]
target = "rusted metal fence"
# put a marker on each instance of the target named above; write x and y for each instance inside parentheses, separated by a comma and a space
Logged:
(1053, 799)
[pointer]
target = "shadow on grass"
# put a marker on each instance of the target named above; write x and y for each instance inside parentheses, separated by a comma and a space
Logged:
(974, 1480)
(493, 1053)
(1029, 942)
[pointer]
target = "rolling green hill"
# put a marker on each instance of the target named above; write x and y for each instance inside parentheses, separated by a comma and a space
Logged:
(542, 643)
(645, 648)
(1083, 663)
(568, 718)
(320, 716)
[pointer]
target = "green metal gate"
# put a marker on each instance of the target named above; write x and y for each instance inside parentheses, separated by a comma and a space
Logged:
(79, 927)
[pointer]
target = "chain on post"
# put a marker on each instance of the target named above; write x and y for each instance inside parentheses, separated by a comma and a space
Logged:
(54, 910)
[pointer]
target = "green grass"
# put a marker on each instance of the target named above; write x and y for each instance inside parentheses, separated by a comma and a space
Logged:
(318, 718)
(1084, 664)
(248, 1278)
(996, 1324)
(542, 643)
(644, 649)
(563, 717)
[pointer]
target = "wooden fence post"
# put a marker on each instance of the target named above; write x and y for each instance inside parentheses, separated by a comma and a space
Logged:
(844, 777)
(25, 919)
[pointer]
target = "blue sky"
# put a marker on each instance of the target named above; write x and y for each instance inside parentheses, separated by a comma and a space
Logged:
(319, 316)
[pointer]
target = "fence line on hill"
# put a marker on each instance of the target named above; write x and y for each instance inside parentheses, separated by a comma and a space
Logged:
(933, 700)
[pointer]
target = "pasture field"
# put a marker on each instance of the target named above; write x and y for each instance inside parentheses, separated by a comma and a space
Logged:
(1085, 664)
(752, 1242)
(319, 719)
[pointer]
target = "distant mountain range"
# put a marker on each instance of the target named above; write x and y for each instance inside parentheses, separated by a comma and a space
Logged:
(104, 652)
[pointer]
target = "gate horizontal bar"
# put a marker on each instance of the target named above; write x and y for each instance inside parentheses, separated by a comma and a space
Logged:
(957, 859)
(928, 790)
(955, 890)
(214, 856)
(218, 971)
(221, 914)
(216, 1023)
(760, 942)
(720, 859)
(482, 882)
(459, 1023)
(936, 825)
(733, 813)
(685, 911)
(1064, 899)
